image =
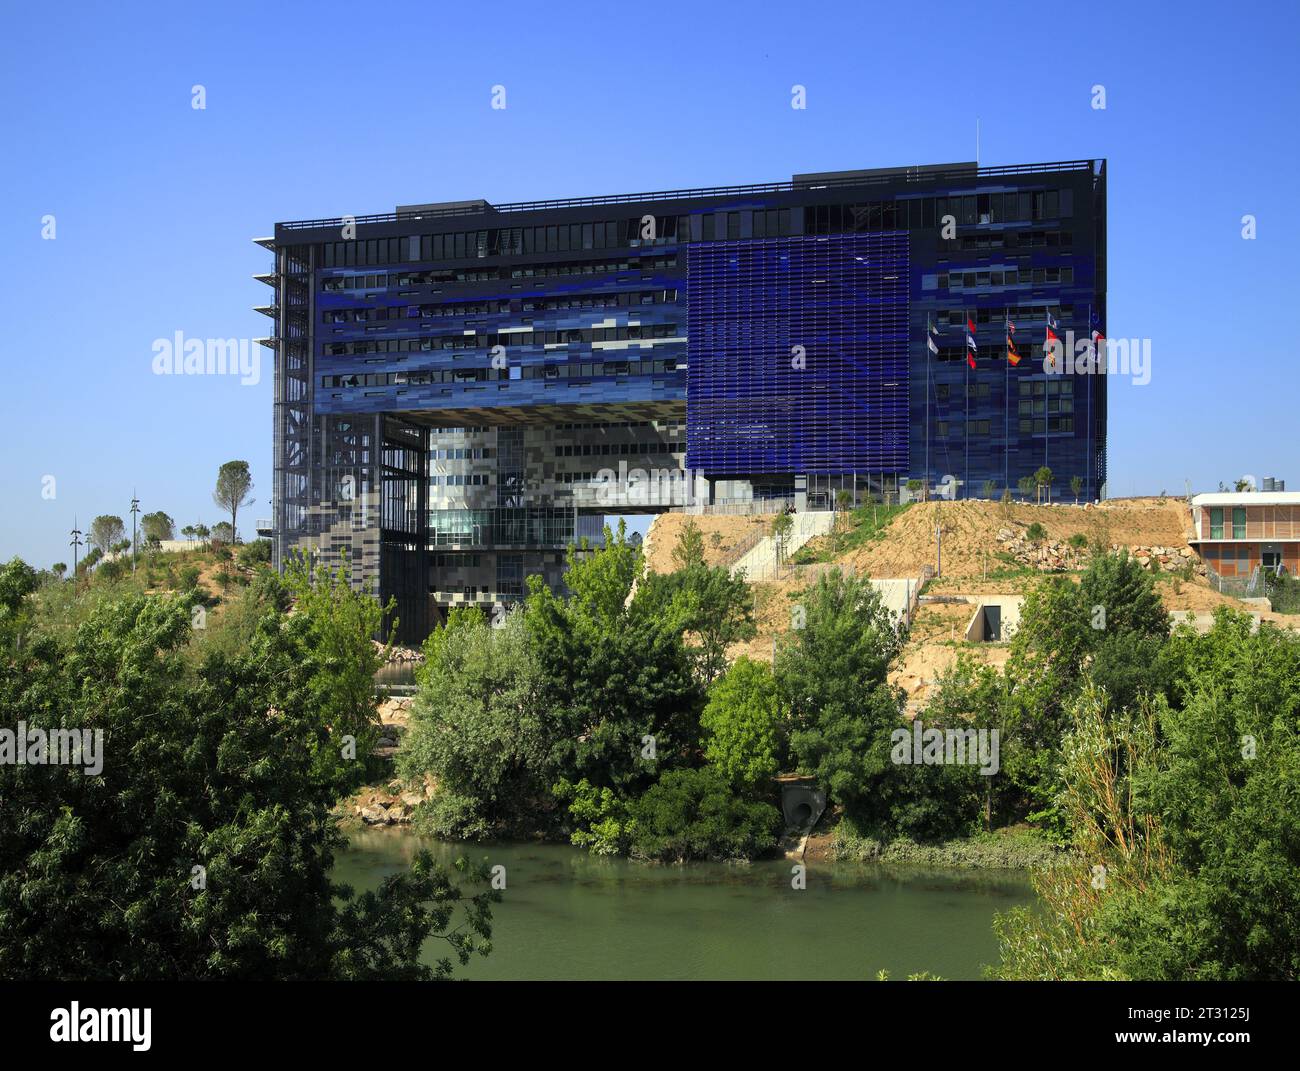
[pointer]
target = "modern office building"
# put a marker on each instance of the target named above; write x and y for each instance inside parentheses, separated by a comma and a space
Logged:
(455, 381)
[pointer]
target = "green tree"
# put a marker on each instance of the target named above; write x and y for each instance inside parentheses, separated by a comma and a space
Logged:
(234, 484)
(615, 669)
(708, 605)
(203, 846)
(693, 814)
(480, 729)
(157, 527)
(1026, 485)
(106, 530)
(1043, 482)
(689, 550)
(742, 725)
(779, 530)
(1076, 487)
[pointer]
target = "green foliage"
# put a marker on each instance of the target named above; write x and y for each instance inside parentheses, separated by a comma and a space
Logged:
(334, 628)
(233, 491)
(479, 728)
(1187, 801)
(615, 670)
(1078, 541)
(710, 606)
(742, 725)
(690, 546)
(105, 530)
(256, 553)
(843, 648)
(600, 817)
(692, 814)
(157, 526)
(1283, 593)
(1036, 532)
(218, 766)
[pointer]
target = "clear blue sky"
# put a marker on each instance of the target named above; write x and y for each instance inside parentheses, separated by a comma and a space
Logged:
(326, 108)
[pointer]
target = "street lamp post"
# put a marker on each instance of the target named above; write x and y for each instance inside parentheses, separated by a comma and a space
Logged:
(135, 509)
(74, 544)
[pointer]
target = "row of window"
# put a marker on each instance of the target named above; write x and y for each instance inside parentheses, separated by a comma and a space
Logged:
(617, 449)
(1010, 240)
(1238, 523)
(489, 339)
(1029, 389)
(999, 314)
(500, 241)
(436, 276)
(944, 429)
(458, 453)
(461, 479)
(515, 372)
(626, 299)
(961, 280)
(912, 213)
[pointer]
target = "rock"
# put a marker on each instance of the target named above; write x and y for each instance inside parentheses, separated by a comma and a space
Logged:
(374, 815)
(412, 799)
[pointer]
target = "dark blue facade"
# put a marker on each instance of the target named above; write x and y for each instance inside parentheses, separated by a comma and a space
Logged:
(799, 355)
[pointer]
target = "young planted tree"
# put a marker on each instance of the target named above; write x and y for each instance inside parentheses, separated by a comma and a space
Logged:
(1043, 482)
(780, 532)
(234, 484)
(690, 546)
(1076, 487)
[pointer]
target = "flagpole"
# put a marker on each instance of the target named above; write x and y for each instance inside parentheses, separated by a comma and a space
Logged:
(1092, 338)
(1006, 400)
(929, 335)
(966, 462)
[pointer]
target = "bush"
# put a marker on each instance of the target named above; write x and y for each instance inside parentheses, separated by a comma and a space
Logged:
(1037, 533)
(1078, 541)
(692, 814)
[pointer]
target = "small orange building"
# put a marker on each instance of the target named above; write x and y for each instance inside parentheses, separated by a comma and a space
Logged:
(1239, 532)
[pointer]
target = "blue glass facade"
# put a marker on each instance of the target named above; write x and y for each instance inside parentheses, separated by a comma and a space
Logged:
(784, 324)
(798, 355)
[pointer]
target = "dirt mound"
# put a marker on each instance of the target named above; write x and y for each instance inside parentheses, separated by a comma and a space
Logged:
(732, 532)
(970, 532)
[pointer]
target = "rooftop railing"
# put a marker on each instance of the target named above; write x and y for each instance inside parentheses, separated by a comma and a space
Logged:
(789, 186)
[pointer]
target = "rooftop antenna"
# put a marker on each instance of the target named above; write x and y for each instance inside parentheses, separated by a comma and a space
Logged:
(977, 141)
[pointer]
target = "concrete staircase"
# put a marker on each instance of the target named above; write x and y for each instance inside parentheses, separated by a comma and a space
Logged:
(760, 561)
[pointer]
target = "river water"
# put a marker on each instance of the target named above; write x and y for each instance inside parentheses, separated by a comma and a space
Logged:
(569, 915)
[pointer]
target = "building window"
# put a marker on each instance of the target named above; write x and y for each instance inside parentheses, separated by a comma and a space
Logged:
(1239, 523)
(1216, 523)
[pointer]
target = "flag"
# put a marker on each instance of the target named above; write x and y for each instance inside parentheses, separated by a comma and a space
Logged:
(970, 351)
(931, 334)
(970, 324)
(1013, 355)
(1047, 342)
(929, 341)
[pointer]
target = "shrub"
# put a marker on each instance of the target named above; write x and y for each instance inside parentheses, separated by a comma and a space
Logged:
(692, 814)
(1036, 532)
(1078, 541)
